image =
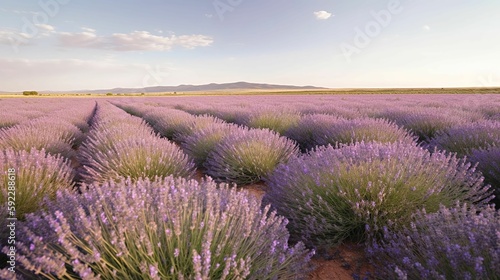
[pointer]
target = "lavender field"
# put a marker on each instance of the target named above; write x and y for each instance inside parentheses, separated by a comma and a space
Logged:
(250, 187)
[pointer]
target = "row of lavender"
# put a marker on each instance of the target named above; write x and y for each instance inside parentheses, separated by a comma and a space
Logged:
(39, 145)
(130, 218)
(374, 188)
(37, 141)
(227, 152)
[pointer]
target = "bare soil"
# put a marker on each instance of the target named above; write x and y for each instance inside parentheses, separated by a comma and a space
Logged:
(343, 262)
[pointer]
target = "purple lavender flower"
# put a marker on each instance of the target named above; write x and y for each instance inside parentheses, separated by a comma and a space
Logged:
(309, 128)
(423, 121)
(457, 242)
(463, 139)
(38, 175)
(330, 195)
(168, 122)
(270, 118)
(357, 130)
(488, 161)
(247, 156)
(200, 144)
(65, 238)
(122, 146)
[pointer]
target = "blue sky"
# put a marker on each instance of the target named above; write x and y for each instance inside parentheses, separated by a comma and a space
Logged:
(97, 44)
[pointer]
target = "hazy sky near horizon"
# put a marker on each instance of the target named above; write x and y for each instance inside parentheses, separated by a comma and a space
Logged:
(98, 44)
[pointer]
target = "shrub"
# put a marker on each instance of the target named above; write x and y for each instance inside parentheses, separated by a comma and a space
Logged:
(462, 139)
(357, 130)
(246, 156)
(454, 243)
(9, 119)
(331, 195)
(276, 120)
(200, 144)
(30, 93)
(198, 123)
(309, 128)
(166, 229)
(105, 135)
(61, 129)
(135, 158)
(425, 123)
(168, 122)
(55, 136)
(38, 175)
(489, 164)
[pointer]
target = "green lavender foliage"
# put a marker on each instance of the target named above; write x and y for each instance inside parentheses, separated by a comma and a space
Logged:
(200, 144)
(248, 155)
(276, 120)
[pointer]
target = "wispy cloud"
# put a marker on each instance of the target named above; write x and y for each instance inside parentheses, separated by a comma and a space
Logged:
(18, 12)
(7, 36)
(134, 41)
(426, 27)
(88, 38)
(322, 15)
(45, 29)
(86, 29)
(11, 36)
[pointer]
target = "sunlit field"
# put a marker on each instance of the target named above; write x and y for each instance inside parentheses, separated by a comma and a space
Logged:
(262, 186)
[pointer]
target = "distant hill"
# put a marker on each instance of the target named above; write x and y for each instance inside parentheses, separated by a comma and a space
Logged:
(207, 87)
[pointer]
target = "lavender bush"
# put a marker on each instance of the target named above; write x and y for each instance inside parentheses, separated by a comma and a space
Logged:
(9, 119)
(309, 128)
(166, 229)
(120, 146)
(53, 135)
(353, 192)
(462, 139)
(357, 130)
(168, 122)
(488, 161)
(136, 158)
(462, 242)
(105, 135)
(38, 175)
(198, 124)
(60, 128)
(246, 156)
(277, 120)
(200, 144)
(425, 123)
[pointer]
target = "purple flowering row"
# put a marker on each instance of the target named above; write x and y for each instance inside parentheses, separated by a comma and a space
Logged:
(228, 153)
(353, 192)
(162, 229)
(321, 130)
(56, 133)
(120, 145)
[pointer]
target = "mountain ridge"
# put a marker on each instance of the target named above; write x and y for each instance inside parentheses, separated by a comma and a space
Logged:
(204, 87)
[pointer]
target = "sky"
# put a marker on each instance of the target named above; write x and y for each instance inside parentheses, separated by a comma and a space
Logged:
(63, 45)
